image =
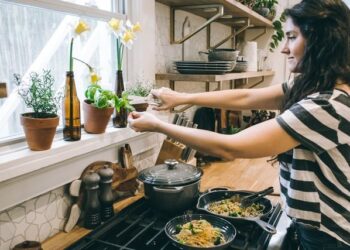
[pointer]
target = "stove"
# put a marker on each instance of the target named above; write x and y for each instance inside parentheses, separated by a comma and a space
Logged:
(139, 227)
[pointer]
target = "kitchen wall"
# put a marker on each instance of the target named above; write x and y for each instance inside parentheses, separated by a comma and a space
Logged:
(166, 53)
(43, 216)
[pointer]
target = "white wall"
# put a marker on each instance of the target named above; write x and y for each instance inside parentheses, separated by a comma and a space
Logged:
(166, 53)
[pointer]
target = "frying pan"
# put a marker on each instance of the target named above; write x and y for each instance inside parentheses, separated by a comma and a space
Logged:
(210, 197)
(226, 228)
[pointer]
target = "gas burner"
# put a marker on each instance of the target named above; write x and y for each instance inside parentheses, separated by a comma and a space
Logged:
(139, 227)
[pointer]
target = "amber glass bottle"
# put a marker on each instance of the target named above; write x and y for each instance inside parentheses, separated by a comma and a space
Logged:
(120, 118)
(71, 110)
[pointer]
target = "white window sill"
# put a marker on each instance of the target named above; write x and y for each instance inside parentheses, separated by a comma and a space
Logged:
(20, 160)
(25, 174)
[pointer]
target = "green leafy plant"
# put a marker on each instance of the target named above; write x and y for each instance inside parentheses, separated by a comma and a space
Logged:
(278, 34)
(99, 97)
(39, 94)
(102, 98)
(140, 89)
(270, 4)
(248, 3)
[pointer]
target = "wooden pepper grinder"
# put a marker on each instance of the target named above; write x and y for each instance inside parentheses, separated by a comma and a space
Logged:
(92, 206)
(106, 194)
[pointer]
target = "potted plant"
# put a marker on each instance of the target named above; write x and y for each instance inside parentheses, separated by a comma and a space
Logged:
(266, 8)
(39, 95)
(125, 34)
(98, 108)
(99, 104)
(138, 94)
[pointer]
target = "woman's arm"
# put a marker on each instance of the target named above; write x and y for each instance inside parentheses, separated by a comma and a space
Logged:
(265, 139)
(235, 99)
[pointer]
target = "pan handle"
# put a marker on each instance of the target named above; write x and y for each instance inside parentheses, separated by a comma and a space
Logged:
(265, 226)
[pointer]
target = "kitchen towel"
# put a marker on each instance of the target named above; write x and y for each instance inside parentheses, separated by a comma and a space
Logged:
(250, 52)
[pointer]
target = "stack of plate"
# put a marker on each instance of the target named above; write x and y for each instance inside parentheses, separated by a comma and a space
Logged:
(200, 67)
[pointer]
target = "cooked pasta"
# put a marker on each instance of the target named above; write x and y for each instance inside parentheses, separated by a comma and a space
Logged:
(231, 207)
(199, 233)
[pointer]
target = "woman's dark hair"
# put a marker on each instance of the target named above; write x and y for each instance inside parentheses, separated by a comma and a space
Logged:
(325, 25)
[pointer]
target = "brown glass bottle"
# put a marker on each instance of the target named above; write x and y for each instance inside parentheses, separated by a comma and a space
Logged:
(71, 110)
(119, 118)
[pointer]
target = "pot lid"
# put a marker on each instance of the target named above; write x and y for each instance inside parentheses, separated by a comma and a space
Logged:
(170, 173)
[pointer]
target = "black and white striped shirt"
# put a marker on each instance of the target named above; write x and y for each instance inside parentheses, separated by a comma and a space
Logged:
(315, 176)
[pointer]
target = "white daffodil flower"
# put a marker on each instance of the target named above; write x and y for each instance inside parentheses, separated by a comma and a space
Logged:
(125, 36)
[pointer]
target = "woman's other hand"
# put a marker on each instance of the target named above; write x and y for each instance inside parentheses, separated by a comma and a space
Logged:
(143, 121)
(166, 98)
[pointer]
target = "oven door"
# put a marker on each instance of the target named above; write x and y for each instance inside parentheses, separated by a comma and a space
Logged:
(278, 240)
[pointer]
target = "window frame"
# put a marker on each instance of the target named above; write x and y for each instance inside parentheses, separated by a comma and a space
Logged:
(119, 11)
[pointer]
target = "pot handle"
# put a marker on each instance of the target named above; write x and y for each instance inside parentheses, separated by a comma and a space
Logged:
(265, 226)
(168, 190)
(203, 52)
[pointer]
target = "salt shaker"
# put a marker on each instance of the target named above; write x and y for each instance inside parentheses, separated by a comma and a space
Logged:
(106, 194)
(92, 216)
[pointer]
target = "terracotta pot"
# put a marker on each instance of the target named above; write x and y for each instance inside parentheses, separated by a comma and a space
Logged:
(95, 119)
(39, 132)
(140, 107)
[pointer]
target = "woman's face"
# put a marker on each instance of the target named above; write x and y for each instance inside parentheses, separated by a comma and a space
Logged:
(294, 45)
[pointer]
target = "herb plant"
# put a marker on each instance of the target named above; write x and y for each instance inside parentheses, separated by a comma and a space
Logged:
(39, 94)
(101, 98)
(140, 89)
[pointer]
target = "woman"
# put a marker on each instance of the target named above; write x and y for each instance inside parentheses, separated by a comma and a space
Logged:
(311, 136)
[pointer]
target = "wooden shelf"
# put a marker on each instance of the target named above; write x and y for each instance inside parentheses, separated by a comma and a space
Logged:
(231, 7)
(212, 78)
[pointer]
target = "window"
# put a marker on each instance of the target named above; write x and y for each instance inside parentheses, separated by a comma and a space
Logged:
(35, 35)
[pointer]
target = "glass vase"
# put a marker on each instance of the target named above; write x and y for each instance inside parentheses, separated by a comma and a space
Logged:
(71, 110)
(119, 118)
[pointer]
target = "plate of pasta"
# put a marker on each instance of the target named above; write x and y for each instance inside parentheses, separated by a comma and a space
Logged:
(200, 231)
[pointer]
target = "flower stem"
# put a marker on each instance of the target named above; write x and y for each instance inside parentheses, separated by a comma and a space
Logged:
(119, 55)
(90, 68)
(71, 55)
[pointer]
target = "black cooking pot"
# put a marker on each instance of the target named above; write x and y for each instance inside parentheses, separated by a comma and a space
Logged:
(221, 54)
(210, 197)
(171, 187)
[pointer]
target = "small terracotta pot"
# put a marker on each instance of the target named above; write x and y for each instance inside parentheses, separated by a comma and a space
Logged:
(140, 107)
(95, 119)
(39, 132)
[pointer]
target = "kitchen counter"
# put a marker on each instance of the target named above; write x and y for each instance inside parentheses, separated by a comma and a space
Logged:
(247, 174)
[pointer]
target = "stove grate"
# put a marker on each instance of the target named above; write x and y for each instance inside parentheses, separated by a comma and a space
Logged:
(138, 227)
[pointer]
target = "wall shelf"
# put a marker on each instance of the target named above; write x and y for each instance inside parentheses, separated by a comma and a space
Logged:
(212, 78)
(231, 7)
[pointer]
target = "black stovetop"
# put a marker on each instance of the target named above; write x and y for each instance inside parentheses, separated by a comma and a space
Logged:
(139, 227)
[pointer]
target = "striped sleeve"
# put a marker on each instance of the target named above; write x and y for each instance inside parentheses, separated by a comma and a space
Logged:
(313, 122)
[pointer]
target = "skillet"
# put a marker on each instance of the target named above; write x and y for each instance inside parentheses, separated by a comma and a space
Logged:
(213, 196)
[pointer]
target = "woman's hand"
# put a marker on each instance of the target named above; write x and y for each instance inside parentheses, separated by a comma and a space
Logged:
(166, 98)
(143, 121)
